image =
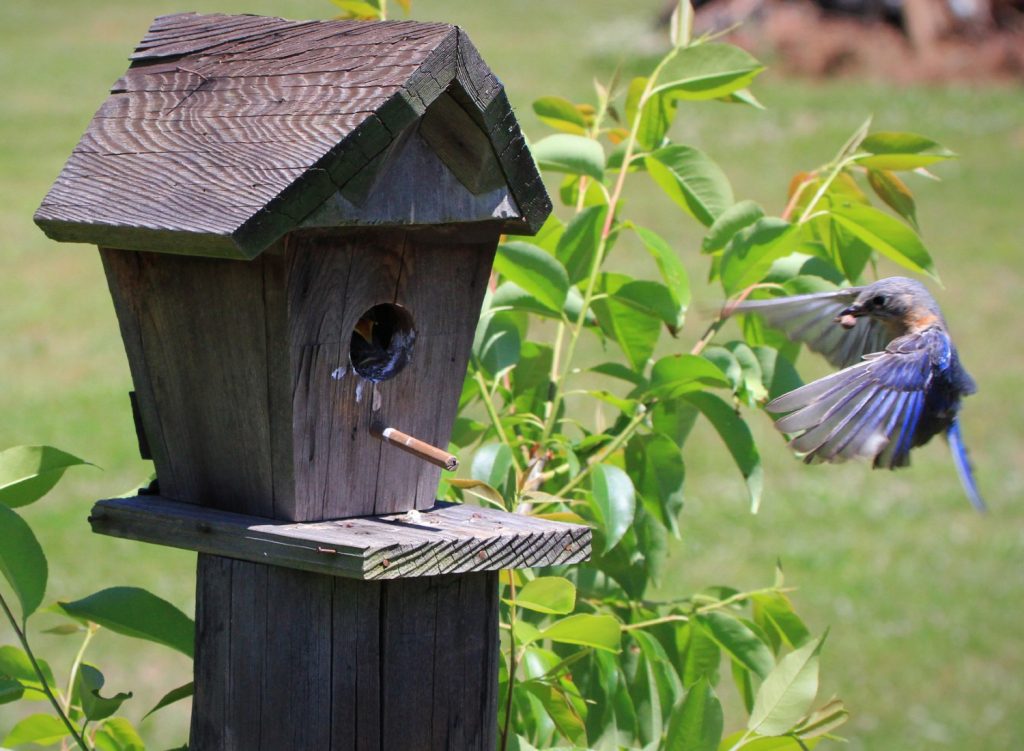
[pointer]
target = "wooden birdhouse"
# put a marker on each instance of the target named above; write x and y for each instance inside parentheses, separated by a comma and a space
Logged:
(297, 221)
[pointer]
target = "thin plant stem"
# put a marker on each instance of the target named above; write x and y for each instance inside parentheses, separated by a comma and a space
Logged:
(602, 245)
(614, 445)
(39, 673)
(512, 661)
(492, 411)
(91, 630)
(710, 607)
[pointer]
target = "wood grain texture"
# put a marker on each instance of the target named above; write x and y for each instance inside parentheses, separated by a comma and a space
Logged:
(228, 131)
(295, 660)
(244, 386)
(446, 539)
(341, 470)
(196, 332)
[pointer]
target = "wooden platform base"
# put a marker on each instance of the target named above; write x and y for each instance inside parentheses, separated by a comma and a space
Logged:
(447, 539)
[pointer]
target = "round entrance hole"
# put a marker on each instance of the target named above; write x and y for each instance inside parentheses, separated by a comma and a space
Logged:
(381, 344)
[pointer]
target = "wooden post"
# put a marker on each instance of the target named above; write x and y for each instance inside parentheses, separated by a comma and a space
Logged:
(297, 221)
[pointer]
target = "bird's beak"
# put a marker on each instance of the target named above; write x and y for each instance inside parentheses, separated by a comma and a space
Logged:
(855, 311)
(847, 317)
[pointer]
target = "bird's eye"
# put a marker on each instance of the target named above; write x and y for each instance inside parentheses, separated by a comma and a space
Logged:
(878, 301)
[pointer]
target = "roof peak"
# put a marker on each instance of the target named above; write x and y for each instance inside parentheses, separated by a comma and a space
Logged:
(229, 131)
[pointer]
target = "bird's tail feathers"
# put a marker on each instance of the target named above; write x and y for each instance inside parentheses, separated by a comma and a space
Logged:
(963, 465)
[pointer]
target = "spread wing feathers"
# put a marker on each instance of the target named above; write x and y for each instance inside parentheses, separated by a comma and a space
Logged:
(870, 410)
(810, 319)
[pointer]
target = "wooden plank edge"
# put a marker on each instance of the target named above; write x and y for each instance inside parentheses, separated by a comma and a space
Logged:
(525, 542)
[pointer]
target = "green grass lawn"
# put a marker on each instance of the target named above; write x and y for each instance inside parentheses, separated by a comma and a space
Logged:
(922, 595)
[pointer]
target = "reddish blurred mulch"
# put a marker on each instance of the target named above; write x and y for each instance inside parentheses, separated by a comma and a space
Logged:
(801, 38)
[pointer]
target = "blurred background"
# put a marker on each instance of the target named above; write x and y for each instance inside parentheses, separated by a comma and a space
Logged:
(925, 598)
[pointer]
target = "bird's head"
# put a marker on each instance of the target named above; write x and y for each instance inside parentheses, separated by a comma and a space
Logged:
(896, 302)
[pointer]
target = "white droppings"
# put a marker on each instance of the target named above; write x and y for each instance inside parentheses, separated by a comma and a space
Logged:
(359, 390)
(338, 373)
(376, 398)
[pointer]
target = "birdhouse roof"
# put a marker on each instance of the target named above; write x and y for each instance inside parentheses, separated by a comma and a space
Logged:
(227, 132)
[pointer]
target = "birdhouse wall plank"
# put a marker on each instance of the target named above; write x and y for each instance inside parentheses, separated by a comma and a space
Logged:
(195, 330)
(443, 285)
(440, 279)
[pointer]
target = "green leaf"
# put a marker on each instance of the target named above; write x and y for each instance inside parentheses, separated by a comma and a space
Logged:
(15, 664)
(658, 113)
(752, 387)
(88, 682)
(725, 361)
(41, 729)
(895, 193)
(479, 489)
(676, 375)
(653, 299)
(358, 8)
(578, 244)
(564, 152)
(492, 463)
(709, 71)
(535, 270)
(760, 743)
(509, 295)
(743, 96)
(696, 725)
(566, 712)
(597, 631)
(613, 499)
(620, 371)
(560, 114)
(692, 180)
(117, 734)
(740, 643)
(132, 611)
(10, 690)
(774, 613)
(777, 373)
(901, 151)
(22, 561)
(744, 685)
(729, 222)
(674, 418)
(673, 273)
(632, 329)
(701, 654)
(888, 236)
(497, 342)
(736, 435)
(656, 689)
(27, 473)
(174, 695)
(547, 594)
(823, 720)
(787, 692)
(751, 251)
(655, 463)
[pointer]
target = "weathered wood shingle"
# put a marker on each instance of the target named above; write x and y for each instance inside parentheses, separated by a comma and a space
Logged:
(228, 131)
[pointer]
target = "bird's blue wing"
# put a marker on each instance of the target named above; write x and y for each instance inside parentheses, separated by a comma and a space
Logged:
(869, 410)
(810, 319)
(963, 465)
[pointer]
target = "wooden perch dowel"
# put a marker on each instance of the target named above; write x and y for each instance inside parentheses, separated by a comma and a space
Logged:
(419, 448)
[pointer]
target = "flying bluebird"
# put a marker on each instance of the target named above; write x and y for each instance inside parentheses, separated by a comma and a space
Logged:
(901, 379)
